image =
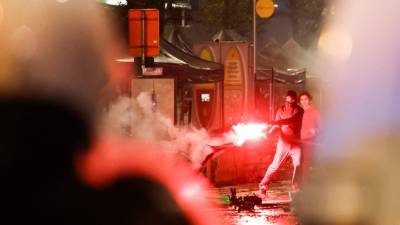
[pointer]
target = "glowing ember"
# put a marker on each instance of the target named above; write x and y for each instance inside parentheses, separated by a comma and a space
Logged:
(244, 132)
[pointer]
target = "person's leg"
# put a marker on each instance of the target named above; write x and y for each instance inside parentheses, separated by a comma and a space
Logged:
(282, 150)
(305, 162)
(295, 154)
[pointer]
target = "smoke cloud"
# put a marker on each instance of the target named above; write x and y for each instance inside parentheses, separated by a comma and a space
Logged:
(134, 118)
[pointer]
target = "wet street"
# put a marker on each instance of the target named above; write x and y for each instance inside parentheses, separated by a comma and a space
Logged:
(276, 211)
(260, 216)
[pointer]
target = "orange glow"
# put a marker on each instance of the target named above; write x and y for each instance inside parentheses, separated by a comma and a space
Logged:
(244, 132)
(1, 13)
(337, 45)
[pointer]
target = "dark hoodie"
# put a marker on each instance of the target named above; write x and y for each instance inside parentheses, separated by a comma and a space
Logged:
(289, 117)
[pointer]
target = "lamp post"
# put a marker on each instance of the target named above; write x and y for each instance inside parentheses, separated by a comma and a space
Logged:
(254, 38)
(264, 9)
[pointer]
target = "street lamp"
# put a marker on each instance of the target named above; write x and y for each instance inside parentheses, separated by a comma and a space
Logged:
(264, 9)
(254, 37)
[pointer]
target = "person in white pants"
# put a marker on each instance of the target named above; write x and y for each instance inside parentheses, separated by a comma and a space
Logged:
(288, 118)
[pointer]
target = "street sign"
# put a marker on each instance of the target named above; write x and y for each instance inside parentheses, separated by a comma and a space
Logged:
(265, 8)
(152, 71)
(144, 32)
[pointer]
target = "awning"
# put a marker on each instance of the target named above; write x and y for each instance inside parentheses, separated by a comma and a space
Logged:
(293, 76)
(187, 67)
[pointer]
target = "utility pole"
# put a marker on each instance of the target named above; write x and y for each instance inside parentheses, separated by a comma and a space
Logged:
(254, 38)
(265, 9)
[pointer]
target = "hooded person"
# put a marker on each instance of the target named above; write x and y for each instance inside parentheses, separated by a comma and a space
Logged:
(288, 120)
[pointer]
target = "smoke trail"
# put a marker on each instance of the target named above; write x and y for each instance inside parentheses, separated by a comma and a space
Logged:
(133, 117)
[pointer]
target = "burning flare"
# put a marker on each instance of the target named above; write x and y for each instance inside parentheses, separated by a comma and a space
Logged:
(244, 132)
(241, 133)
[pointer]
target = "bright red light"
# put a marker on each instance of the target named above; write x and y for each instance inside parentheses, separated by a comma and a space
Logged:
(244, 132)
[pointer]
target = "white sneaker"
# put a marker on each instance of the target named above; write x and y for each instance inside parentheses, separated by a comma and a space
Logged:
(263, 191)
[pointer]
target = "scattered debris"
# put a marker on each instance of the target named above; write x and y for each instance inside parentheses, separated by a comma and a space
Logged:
(243, 203)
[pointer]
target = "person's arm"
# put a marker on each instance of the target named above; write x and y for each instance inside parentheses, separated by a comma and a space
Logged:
(317, 121)
(312, 132)
(278, 114)
(293, 119)
(273, 128)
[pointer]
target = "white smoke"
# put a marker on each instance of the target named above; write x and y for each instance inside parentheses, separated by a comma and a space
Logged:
(133, 117)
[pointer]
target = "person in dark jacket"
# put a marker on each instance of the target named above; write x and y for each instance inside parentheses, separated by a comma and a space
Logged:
(288, 119)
